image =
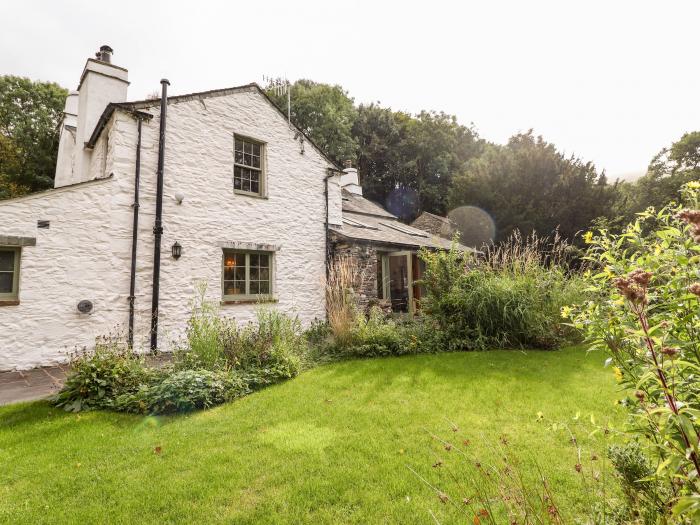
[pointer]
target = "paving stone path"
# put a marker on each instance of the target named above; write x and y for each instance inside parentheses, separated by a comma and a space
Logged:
(29, 385)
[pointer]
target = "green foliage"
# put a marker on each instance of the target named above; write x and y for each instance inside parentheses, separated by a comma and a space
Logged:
(418, 155)
(221, 361)
(30, 113)
(646, 317)
(645, 496)
(273, 346)
(98, 378)
(528, 185)
(183, 391)
(668, 171)
(510, 299)
(325, 113)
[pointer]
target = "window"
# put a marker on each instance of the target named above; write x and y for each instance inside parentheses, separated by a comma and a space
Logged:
(247, 166)
(9, 274)
(247, 275)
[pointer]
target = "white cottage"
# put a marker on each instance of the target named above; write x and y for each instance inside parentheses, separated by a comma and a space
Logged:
(155, 196)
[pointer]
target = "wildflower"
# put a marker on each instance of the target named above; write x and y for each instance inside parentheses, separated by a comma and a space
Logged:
(639, 395)
(437, 464)
(552, 510)
(466, 501)
(466, 442)
(670, 352)
(694, 289)
(693, 185)
(641, 277)
(540, 416)
(566, 312)
(588, 237)
(578, 467)
(443, 497)
(448, 447)
(633, 287)
(618, 374)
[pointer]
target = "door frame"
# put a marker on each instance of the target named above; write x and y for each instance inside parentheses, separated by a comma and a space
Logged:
(386, 277)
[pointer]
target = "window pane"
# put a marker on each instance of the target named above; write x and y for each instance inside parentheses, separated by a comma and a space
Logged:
(254, 288)
(264, 274)
(254, 258)
(254, 186)
(248, 159)
(234, 288)
(248, 147)
(264, 258)
(254, 273)
(6, 282)
(238, 157)
(7, 261)
(264, 287)
(256, 150)
(239, 145)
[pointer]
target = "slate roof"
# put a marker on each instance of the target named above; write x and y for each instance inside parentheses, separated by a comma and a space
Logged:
(366, 221)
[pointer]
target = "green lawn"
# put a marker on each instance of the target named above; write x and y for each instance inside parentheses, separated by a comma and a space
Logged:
(331, 446)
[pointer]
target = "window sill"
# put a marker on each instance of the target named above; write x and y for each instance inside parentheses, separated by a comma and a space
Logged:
(250, 300)
(248, 194)
(9, 302)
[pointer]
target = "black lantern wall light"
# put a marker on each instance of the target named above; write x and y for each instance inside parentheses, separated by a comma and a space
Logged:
(177, 250)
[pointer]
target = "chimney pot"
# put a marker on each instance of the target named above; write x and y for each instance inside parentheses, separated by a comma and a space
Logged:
(105, 54)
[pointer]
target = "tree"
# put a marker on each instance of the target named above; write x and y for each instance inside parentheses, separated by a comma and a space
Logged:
(30, 113)
(668, 171)
(528, 185)
(408, 163)
(325, 113)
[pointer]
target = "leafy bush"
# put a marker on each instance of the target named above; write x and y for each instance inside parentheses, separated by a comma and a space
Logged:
(220, 361)
(98, 377)
(377, 335)
(272, 346)
(510, 298)
(646, 316)
(184, 391)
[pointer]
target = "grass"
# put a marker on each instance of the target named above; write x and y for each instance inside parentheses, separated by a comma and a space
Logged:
(331, 446)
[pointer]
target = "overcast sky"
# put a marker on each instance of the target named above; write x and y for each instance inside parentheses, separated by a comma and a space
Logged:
(612, 81)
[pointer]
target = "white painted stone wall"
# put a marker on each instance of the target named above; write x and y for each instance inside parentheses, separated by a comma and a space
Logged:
(85, 254)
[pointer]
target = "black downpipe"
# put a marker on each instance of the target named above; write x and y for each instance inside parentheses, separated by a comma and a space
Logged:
(158, 226)
(134, 237)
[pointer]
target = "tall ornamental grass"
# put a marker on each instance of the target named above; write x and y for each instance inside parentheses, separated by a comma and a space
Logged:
(508, 297)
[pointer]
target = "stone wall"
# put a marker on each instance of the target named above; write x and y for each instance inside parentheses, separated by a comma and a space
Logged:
(365, 257)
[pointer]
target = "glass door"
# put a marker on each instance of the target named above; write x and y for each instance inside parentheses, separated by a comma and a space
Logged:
(400, 282)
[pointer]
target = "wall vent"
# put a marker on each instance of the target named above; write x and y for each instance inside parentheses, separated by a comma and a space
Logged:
(42, 224)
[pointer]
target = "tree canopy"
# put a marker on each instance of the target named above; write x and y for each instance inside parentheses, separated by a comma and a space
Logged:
(30, 113)
(528, 185)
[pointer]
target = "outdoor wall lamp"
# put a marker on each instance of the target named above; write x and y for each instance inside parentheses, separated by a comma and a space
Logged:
(177, 250)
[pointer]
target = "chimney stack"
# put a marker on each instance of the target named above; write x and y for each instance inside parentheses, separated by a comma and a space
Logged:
(100, 84)
(349, 180)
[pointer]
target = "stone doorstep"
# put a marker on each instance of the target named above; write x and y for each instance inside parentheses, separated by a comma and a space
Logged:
(11, 377)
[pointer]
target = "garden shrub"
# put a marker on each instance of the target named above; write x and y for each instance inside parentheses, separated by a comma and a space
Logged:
(98, 377)
(219, 361)
(509, 298)
(646, 315)
(184, 391)
(378, 334)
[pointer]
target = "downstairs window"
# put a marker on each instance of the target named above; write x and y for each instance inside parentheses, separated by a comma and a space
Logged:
(247, 275)
(9, 274)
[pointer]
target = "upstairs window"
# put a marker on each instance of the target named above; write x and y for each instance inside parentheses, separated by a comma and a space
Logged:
(9, 274)
(248, 175)
(247, 275)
